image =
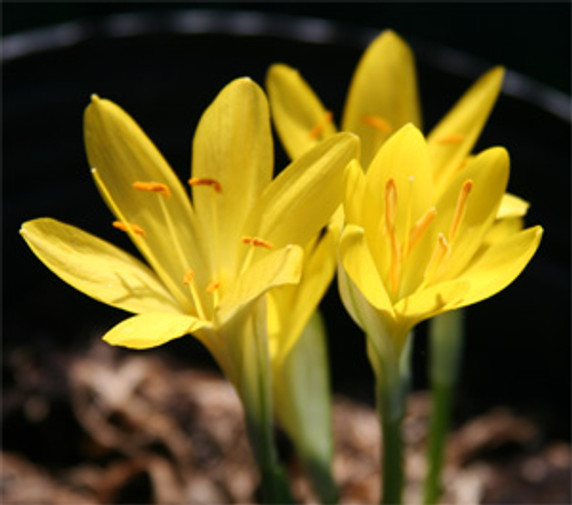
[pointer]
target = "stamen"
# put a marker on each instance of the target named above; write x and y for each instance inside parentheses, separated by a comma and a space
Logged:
(390, 213)
(189, 276)
(212, 287)
(257, 242)
(420, 227)
(460, 209)
(452, 139)
(318, 129)
(197, 181)
(395, 267)
(439, 252)
(154, 187)
(390, 203)
(120, 225)
(378, 123)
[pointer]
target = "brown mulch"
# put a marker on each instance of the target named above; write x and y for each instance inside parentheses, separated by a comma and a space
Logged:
(146, 431)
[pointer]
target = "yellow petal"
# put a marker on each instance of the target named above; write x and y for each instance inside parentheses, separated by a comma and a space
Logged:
(97, 268)
(295, 304)
(500, 264)
(405, 159)
(383, 93)
(455, 135)
(489, 172)
(233, 146)
(122, 154)
(282, 266)
(502, 229)
(429, 302)
(300, 118)
(151, 330)
(301, 200)
(358, 263)
(512, 206)
(354, 195)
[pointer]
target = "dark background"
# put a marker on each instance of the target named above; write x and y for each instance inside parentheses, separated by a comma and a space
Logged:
(518, 345)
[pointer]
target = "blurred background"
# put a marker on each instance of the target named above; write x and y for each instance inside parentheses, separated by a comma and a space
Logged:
(164, 63)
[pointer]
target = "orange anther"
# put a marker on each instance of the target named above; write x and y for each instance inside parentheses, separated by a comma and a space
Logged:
(318, 129)
(439, 252)
(460, 209)
(390, 203)
(213, 286)
(189, 276)
(258, 242)
(197, 181)
(454, 138)
(420, 226)
(154, 187)
(129, 227)
(378, 123)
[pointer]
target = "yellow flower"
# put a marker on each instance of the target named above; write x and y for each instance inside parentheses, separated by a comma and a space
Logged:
(383, 97)
(210, 260)
(411, 252)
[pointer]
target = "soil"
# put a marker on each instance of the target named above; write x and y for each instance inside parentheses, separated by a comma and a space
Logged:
(105, 426)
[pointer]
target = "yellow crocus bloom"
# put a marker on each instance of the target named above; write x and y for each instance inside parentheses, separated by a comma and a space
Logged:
(411, 251)
(382, 97)
(209, 261)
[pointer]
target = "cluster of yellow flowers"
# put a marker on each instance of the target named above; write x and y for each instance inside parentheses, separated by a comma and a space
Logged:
(415, 225)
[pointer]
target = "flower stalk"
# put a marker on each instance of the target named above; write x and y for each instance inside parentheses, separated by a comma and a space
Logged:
(446, 336)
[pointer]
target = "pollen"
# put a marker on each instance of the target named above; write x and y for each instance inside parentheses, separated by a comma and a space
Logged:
(378, 123)
(460, 209)
(120, 225)
(153, 187)
(318, 129)
(197, 181)
(448, 140)
(257, 242)
(189, 276)
(212, 287)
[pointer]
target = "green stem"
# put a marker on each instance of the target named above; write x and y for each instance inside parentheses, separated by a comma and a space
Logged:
(392, 381)
(446, 337)
(256, 393)
(392, 449)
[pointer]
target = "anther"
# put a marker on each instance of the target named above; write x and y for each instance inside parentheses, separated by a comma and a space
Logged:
(318, 129)
(420, 226)
(120, 225)
(212, 287)
(460, 209)
(189, 276)
(197, 181)
(390, 203)
(257, 242)
(452, 139)
(378, 123)
(154, 187)
(439, 252)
